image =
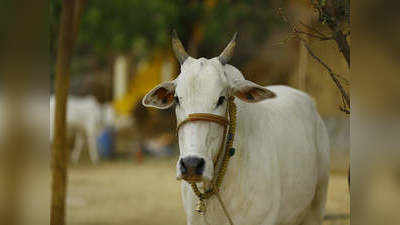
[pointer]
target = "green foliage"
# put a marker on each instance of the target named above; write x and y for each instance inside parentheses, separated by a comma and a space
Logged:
(119, 25)
(139, 26)
(251, 19)
(110, 26)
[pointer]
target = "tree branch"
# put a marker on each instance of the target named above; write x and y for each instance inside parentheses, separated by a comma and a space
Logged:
(297, 34)
(342, 43)
(333, 75)
(313, 29)
(313, 35)
(335, 14)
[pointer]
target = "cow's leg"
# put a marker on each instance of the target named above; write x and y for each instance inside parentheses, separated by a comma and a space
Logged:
(78, 147)
(94, 154)
(92, 145)
(316, 212)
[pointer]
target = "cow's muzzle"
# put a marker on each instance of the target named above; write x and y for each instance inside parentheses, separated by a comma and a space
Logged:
(192, 168)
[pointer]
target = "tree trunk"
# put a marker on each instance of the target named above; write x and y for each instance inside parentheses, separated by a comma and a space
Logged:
(302, 66)
(70, 17)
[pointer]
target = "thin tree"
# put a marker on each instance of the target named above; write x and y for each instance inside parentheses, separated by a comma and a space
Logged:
(70, 17)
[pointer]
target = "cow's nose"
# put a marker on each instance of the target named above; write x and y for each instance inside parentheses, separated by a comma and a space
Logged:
(192, 166)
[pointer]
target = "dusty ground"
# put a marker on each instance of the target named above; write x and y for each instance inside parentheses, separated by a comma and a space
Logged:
(128, 193)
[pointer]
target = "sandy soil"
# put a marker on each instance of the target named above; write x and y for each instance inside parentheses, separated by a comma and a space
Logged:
(126, 192)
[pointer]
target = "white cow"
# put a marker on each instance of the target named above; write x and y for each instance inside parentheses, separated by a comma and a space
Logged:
(280, 173)
(84, 120)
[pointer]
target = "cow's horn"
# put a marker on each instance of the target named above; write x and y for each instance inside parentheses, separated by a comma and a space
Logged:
(227, 54)
(178, 48)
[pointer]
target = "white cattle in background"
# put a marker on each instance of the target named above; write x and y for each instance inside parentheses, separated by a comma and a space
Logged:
(280, 173)
(83, 121)
(86, 119)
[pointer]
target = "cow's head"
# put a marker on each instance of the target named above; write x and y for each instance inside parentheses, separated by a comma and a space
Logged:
(203, 86)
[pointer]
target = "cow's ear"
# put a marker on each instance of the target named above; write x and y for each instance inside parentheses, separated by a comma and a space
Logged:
(250, 92)
(161, 97)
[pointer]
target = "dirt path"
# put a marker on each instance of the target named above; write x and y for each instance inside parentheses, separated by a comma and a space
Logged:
(127, 193)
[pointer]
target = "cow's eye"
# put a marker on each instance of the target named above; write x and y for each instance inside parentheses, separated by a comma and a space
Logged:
(220, 100)
(176, 98)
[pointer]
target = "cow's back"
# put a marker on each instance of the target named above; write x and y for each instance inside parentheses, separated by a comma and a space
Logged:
(83, 113)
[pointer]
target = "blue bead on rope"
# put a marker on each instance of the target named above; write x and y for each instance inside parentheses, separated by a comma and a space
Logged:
(232, 151)
(229, 137)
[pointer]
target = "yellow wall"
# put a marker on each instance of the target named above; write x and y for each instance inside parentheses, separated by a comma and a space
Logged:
(147, 76)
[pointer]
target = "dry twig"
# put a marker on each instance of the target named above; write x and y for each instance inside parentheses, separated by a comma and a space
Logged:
(345, 96)
(296, 33)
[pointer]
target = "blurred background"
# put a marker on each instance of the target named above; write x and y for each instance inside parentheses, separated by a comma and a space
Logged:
(123, 188)
(122, 155)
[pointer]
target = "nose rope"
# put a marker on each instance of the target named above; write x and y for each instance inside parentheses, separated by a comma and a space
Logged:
(204, 117)
(218, 176)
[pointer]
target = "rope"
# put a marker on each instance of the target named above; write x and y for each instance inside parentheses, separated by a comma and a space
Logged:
(217, 181)
(219, 176)
(223, 207)
(204, 117)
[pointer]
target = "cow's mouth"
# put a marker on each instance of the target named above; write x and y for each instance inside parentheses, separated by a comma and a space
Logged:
(192, 178)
